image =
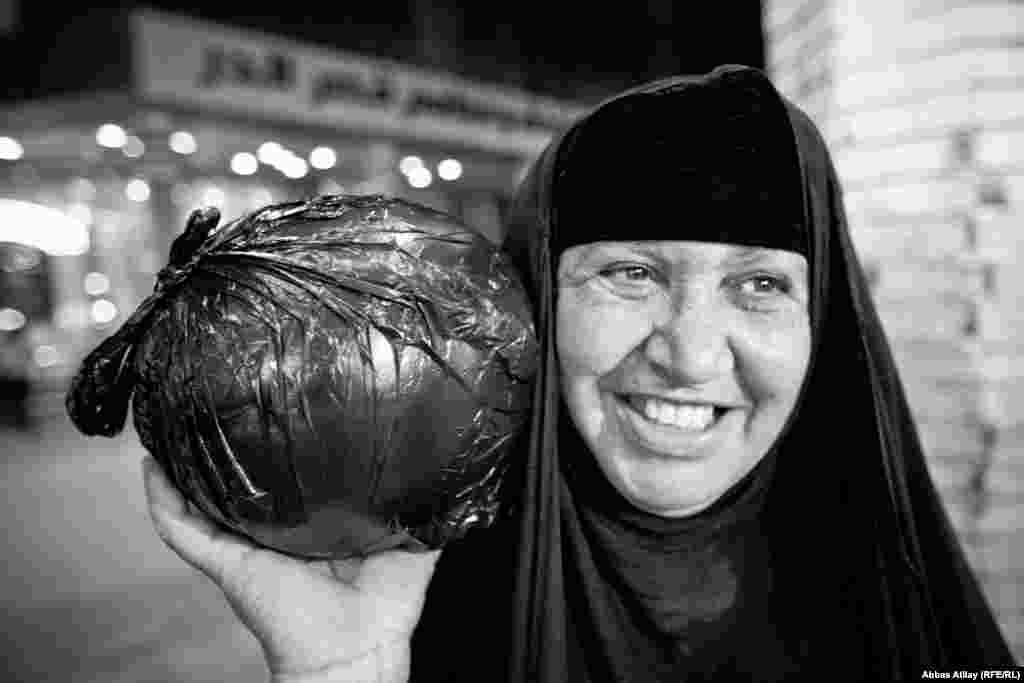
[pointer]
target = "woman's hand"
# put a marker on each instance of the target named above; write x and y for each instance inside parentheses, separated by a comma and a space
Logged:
(348, 620)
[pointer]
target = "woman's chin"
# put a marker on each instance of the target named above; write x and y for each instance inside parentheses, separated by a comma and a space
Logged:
(666, 496)
(670, 508)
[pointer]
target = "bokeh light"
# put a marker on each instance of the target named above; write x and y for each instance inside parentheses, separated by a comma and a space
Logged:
(11, 319)
(323, 158)
(96, 283)
(46, 355)
(182, 142)
(270, 153)
(103, 311)
(449, 169)
(111, 135)
(10, 149)
(244, 163)
(410, 164)
(294, 167)
(137, 190)
(420, 177)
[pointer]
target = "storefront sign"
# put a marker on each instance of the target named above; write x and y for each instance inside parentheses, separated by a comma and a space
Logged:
(189, 62)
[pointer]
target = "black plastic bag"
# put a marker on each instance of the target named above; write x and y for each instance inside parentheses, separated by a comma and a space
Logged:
(329, 377)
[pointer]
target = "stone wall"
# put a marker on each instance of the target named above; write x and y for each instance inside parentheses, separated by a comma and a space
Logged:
(922, 104)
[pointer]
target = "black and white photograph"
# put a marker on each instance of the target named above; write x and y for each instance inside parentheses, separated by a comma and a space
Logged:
(420, 341)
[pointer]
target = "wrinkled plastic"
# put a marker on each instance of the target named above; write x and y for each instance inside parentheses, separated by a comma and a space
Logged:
(329, 377)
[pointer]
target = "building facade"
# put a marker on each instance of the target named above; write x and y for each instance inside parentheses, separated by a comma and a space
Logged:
(922, 104)
(100, 170)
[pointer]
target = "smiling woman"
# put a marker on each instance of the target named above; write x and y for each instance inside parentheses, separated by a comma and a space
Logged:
(722, 480)
(681, 362)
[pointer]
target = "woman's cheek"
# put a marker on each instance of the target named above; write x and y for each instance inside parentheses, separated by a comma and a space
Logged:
(593, 337)
(775, 354)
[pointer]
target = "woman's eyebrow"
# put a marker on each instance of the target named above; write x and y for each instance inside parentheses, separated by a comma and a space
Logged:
(606, 249)
(745, 255)
(651, 252)
(736, 253)
(738, 256)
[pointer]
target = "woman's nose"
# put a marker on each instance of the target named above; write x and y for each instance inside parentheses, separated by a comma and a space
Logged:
(692, 346)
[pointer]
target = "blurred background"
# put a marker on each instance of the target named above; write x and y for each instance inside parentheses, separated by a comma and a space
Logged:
(116, 121)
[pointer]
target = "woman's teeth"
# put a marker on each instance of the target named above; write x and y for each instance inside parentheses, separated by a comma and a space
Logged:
(689, 416)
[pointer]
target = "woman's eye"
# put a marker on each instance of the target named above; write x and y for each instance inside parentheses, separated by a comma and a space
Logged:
(763, 285)
(628, 274)
(629, 280)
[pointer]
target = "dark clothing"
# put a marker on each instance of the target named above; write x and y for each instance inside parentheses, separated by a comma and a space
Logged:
(832, 560)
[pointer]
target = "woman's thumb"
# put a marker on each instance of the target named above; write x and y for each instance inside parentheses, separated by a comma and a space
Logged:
(193, 537)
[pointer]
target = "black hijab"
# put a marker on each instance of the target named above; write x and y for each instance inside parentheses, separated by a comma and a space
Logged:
(832, 560)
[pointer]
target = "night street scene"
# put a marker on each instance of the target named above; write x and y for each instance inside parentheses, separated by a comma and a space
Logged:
(119, 121)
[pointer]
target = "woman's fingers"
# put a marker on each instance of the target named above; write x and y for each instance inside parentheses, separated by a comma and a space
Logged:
(307, 615)
(394, 577)
(193, 537)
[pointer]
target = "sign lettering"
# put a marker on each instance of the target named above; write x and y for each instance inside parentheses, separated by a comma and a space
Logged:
(225, 66)
(201, 64)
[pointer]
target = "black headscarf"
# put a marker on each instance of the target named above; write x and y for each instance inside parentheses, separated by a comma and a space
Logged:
(833, 559)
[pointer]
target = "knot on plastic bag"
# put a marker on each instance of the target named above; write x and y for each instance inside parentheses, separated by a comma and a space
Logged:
(101, 391)
(187, 248)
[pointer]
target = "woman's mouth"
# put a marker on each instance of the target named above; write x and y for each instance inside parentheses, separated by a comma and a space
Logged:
(687, 416)
(690, 417)
(670, 428)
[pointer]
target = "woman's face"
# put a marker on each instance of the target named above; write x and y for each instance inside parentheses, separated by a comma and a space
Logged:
(681, 362)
